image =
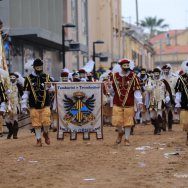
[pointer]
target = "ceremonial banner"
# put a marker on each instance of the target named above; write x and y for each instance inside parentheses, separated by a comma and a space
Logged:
(79, 108)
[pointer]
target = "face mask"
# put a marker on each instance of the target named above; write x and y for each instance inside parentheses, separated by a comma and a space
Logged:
(38, 70)
(126, 69)
(89, 78)
(166, 72)
(156, 76)
(76, 80)
(142, 75)
(13, 79)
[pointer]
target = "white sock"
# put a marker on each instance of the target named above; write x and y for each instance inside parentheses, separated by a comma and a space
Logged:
(127, 132)
(38, 133)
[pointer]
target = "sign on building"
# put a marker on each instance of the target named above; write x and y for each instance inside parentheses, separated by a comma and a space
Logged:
(79, 108)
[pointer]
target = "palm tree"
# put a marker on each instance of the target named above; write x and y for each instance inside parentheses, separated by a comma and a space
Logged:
(154, 25)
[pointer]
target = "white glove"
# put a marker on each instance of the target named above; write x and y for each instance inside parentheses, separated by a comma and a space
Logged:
(24, 111)
(178, 105)
(3, 107)
(167, 99)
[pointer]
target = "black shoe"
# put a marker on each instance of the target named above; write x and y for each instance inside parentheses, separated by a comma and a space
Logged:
(1, 134)
(9, 136)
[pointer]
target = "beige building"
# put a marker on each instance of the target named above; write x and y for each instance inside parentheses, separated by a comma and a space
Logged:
(171, 47)
(136, 48)
(95, 20)
(104, 23)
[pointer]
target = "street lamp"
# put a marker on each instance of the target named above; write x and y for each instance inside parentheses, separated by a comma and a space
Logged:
(68, 25)
(95, 42)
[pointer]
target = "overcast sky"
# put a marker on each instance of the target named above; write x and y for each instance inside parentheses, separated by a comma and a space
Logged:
(174, 12)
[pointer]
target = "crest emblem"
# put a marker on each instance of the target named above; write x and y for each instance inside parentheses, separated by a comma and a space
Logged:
(79, 108)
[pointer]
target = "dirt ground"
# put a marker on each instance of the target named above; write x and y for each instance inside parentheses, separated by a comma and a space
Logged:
(151, 161)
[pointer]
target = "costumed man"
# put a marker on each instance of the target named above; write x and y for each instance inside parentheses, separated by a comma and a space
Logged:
(3, 100)
(159, 97)
(171, 79)
(36, 94)
(65, 77)
(126, 94)
(14, 98)
(90, 77)
(181, 100)
(75, 77)
(88, 67)
(83, 75)
(146, 96)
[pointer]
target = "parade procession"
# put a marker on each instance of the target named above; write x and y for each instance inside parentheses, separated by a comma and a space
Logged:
(92, 95)
(81, 103)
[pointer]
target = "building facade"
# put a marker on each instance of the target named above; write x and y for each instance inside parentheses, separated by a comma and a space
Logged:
(171, 48)
(104, 23)
(35, 28)
(136, 48)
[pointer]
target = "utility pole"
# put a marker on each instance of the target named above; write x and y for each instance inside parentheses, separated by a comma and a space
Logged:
(160, 42)
(137, 20)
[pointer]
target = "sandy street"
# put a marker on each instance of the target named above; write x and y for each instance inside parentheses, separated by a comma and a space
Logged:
(150, 162)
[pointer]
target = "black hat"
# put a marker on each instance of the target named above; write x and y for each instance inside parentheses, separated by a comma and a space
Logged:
(156, 70)
(13, 74)
(37, 62)
(143, 70)
(75, 74)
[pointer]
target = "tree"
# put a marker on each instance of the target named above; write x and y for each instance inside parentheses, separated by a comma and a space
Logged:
(154, 25)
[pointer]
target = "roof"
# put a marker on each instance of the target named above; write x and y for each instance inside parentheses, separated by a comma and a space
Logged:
(163, 35)
(173, 49)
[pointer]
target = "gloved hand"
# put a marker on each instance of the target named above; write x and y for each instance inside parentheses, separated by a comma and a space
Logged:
(25, 111)
(167, 99)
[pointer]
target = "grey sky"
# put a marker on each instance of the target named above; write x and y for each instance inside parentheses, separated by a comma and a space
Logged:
(174, 12)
